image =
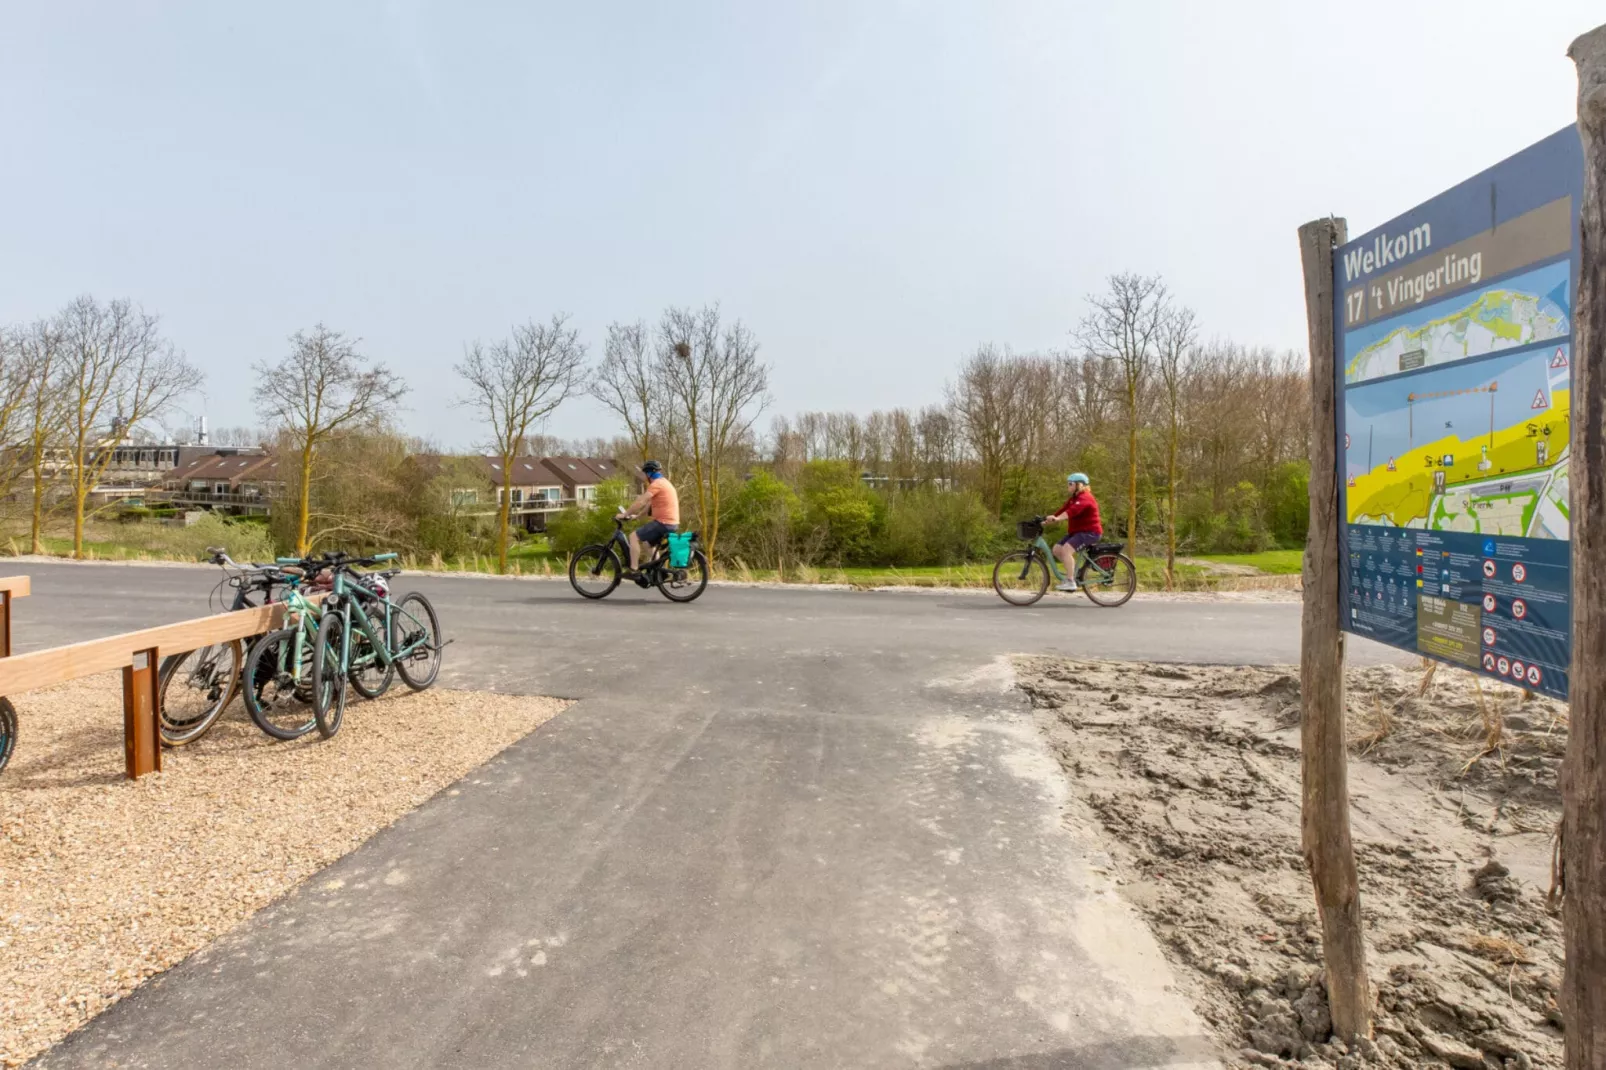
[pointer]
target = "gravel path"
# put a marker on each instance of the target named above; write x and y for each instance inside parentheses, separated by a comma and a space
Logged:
(104, 881)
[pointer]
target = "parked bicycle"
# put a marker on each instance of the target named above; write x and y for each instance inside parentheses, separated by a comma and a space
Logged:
(196, 686)
(676, 567)
(1021, 577)
(364, 639)
(278, 666)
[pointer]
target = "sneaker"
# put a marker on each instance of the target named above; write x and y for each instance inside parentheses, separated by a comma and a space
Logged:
(1068, 587)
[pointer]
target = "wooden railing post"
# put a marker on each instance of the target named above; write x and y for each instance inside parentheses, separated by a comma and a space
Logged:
(142, 738)
(5, 624)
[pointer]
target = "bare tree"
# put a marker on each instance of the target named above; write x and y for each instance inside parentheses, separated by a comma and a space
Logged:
(1124, 325)
(718, 387)
(41, 351)
(1177, 337)
(627, 384)
(992, 402)
(515, 384)
(116, 370)
(321, 388)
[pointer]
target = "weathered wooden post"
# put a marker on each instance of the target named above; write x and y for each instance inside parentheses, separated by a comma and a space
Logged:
(1584, 772)
(142, 730)
(1323, 758)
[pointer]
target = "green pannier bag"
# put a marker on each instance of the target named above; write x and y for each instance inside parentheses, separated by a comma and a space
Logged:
(680, 548)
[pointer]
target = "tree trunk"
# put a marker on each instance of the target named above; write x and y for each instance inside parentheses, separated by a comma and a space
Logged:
(37, 533)
(79, 498)
(504, 514)
(1171, 509)
(304, 507)
(1132, 467)
(1324, 772)
(1583, 995)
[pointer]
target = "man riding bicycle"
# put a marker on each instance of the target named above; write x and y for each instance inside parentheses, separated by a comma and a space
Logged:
(659, 501)
(1082, 528)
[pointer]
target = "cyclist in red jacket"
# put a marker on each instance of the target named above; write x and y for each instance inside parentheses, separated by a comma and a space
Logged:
(1082, 528)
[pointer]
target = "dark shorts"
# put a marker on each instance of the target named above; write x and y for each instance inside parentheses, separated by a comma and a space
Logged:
(1081, 539)
(652, 533)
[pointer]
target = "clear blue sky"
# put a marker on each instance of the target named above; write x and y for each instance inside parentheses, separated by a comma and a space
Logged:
(875, 188)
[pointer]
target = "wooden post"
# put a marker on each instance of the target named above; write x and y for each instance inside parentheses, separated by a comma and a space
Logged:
(1583, 994)
(5, 624)
(142, 739)
(1324, 772)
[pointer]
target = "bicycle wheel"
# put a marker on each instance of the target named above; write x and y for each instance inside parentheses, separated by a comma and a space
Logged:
(594, 571)
(1020, 577)
(8, 730)
(328, 682)
(195, 687)
(366, 675)
(415, 639)
(1108, 579)
(683, 584)
(277, 690)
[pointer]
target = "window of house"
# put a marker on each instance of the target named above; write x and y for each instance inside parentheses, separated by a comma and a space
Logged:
(220, 488)
(461, 498)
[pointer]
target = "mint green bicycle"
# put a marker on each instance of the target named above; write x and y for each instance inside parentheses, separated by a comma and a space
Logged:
(1103, 572)
(364, 639)
(277, 675)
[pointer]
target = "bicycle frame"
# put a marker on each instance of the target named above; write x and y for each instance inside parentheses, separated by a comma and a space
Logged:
(1041, 545)
(354, 595)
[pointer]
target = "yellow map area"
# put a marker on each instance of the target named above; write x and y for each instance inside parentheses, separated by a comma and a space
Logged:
(1406, 494)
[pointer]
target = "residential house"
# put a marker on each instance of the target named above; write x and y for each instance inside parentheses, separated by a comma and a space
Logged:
(239, 481)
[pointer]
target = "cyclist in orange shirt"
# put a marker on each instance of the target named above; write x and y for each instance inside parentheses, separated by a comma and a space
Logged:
(661, 502)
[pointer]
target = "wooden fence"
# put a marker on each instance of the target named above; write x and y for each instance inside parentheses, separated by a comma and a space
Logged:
(138, 654)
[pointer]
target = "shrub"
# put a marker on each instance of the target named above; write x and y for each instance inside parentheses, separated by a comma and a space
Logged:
(245, 541)
(574, 527)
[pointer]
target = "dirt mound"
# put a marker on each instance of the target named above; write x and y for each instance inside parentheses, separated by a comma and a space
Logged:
(1194, 773)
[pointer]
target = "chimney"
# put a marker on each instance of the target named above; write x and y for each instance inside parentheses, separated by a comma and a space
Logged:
(202, 431)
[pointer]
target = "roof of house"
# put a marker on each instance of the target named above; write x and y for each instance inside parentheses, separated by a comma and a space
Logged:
(231, 468)
(533, 471)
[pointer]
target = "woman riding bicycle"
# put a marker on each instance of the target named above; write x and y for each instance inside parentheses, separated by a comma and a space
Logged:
(1082, 528)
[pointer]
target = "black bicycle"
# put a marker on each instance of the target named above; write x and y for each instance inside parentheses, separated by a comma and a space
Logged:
(595, 570)
(197, 685)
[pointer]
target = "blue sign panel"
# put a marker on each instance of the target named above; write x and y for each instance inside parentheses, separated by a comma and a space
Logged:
(1454, 355)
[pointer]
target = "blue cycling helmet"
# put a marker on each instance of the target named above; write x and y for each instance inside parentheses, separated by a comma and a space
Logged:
(1078, 477)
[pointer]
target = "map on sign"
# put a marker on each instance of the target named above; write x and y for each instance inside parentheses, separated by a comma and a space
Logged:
(1454, 335)
(1479, 447)
(1533, 307)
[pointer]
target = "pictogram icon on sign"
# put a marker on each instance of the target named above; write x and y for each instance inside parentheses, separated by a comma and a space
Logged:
(1488, 637)
(1391, 467)
(1489, 604)
(1519, 671)
(1519, 572)
(1488, 662)
(1488, 569)
(1519, 608)
(1503, 666)
(1540, 401)
(1534, 676)
(1560, 359)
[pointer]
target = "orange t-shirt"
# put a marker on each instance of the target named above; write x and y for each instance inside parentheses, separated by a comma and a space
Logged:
(663, 503)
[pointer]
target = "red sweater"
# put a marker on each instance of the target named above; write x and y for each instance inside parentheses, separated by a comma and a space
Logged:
(1081, 513)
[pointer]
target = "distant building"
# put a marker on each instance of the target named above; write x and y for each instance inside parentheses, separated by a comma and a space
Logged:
(537, 486)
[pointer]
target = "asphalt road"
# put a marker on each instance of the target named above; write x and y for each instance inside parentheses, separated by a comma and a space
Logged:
(781, 827)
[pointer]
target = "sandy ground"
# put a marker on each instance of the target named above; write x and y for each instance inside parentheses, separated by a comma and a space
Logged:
(1193, 774)
(105, 881)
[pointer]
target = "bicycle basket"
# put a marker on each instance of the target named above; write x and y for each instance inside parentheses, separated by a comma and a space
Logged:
(680, 548)
(1029, 529)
